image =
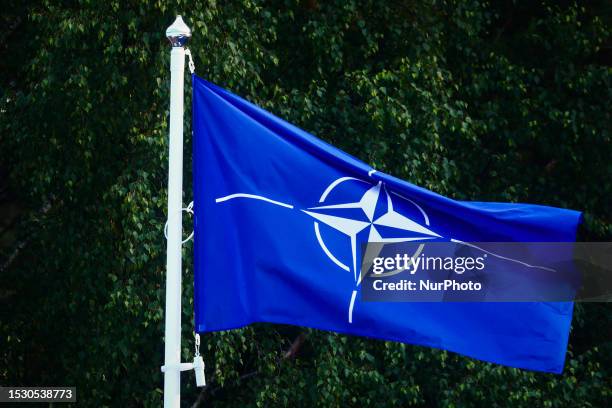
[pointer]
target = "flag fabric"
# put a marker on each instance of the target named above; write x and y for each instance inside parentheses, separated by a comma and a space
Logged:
(280, 217)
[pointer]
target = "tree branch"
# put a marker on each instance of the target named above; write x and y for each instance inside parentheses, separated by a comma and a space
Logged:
(295, 347)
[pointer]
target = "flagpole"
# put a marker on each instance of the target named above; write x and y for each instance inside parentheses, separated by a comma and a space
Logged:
(178, 34)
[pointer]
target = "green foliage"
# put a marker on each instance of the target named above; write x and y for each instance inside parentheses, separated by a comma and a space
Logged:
(508, 101)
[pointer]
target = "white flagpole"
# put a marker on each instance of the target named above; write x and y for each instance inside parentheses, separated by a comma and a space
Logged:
(178, 34)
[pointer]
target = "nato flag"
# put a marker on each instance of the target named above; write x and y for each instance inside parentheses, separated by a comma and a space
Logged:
(280, 217)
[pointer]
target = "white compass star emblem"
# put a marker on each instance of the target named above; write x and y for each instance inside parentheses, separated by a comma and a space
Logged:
(328, 214)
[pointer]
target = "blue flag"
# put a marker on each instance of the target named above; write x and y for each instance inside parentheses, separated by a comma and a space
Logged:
(280, 218)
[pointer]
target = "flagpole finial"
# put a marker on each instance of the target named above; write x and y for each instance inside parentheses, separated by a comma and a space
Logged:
(178, 33)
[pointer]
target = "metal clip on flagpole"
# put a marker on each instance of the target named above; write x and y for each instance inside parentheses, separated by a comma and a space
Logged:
(198, 364)
(178, 34)
(190, 64)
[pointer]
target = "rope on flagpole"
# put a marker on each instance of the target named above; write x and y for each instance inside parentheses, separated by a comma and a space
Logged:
(188, 209)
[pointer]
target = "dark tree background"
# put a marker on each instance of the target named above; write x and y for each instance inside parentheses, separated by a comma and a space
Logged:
(477, 100)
